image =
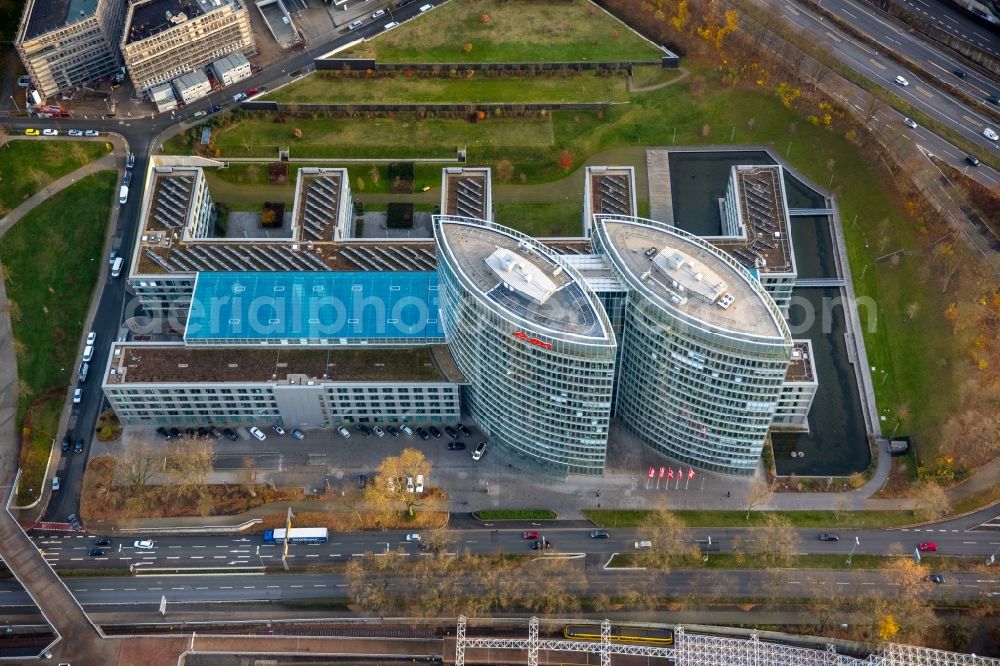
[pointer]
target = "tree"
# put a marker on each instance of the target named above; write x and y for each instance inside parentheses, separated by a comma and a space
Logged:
(268, 217)
(439, 540)
(759, 493)
(468, 47)
(887, 627)
(140, 462)
(505, 170)
(670, 536)
(776, 541)
(932, 500)
(389, 488)
(190, 461)
(565, 160)
(248, 475)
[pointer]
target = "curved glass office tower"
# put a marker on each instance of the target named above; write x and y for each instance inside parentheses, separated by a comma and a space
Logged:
(704, 349)
(533, 342)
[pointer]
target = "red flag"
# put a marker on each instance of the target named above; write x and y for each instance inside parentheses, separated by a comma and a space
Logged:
(652, 472)
(663, 470)
(680, 473)
(690, 473)
(670, 473)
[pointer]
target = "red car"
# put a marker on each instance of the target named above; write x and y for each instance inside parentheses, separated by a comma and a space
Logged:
(253, 91)
(530, 535)
(927, 547)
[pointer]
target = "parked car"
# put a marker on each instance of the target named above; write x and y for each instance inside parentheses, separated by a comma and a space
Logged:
(910, 122)
(24, 81)
(230, 434)
(927, 547)
(215, 108)
(75, 132)
(426, 8)
(409, 484)
(354, 25)
(390, 25)
(127, 180)
(74, 521)
(828, 537)
(344, 432)
(599, 534)
(480, 451)
(363, 429)
(413, 537)
(456, 446)
(378, 13)
(420, 483)
(215, 432)
(258, 433)
(65, 444)
(901, 81)
(82, 373)
(465, 431)
(434, 431)
(407, 430)
(55, 483)
(298, 434)
(91, 133)
(239, 97)
(422, 434)
(77, 396)
(529, 534)
(639, 545)
(199, 114)
(164, 434)
(31, 132)
(130, 161)
(278, 429)
(936, 578)
(48, 131)
(253, 91)
(78, 447)
(91, 338)
(393, 430)
(88, 352)
(451, 432)
(175, 433)
(378, 431)
(143, 544)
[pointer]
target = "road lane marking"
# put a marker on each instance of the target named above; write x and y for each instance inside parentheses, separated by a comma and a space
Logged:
(177, 588)
(107, 589)
(833, 37)
(131, 589)
(273, 587)
(792, 9)
(877, 64)
(928, 95)
(249, 587)
(154, 589)
(176, 557)
(319, 585)
(849, 14)
(197, 557)
(225, 588)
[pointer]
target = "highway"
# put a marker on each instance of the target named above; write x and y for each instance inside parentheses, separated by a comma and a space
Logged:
(946, 16)
(71, 550)
(875, 66)
(150, 589)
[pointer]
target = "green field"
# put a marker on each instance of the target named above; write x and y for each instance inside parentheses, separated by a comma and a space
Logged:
(319, 88)
(26, 166)
(53, 257)
(500, 31)
(542, 220)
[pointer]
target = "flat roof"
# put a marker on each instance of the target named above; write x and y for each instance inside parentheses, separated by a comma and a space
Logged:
(154, 364)
(318, 203)
(346, 305)
(155, 16)
(800, 368)
(636, 244)
(49, 15)
(191, 79)
(611, 190)
(768, 245)
(568, 309)
(466, 192)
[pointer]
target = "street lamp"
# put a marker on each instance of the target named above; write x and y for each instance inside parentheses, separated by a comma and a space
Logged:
(857, 542)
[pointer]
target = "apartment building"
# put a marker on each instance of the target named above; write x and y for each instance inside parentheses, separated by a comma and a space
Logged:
(66, 43)
(164, 39)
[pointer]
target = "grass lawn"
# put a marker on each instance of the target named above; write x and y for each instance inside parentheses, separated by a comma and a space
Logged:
(515, 514)
(27, 166)
(583, 87)
(53, 257)
(252, 177)
(819, 519)
(575, 30)
(542, 220)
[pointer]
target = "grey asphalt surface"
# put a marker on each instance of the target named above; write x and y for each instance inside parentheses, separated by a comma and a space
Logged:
(950, 18)
(150, 589)
(969, 123)
(71, 551)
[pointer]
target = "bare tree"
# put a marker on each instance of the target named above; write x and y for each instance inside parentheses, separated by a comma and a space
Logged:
(390, 487)
(670, 536)
(139, 464)
(818, 73)
(190, 461)
(758, 494)
(248, 475)
(932, 500)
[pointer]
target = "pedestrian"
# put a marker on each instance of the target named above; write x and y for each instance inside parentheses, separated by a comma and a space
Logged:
(729, 493)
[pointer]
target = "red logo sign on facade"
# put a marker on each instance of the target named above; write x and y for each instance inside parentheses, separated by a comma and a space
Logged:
(521, 335)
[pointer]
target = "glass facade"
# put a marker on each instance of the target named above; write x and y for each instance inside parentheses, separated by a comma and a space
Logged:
(696, 391)
(542, 393)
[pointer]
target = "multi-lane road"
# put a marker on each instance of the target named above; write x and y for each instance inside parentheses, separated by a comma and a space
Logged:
(71, 550)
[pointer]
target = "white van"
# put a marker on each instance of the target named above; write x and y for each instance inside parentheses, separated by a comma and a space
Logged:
(88, 352)
(426, 8)
(641, 545)
(344, 432)
(123, 195)
(258, 433)
(116, 268)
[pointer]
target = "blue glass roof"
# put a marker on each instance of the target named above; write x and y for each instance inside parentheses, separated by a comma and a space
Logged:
(357, 305)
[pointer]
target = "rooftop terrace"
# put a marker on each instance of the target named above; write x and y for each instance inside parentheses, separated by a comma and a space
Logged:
(466, 193)
(150, 363)
(762, 211)
(48, 15)
(566, 309)
(611, 191)
(155, 16)
(800, 368)
(635, 247)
